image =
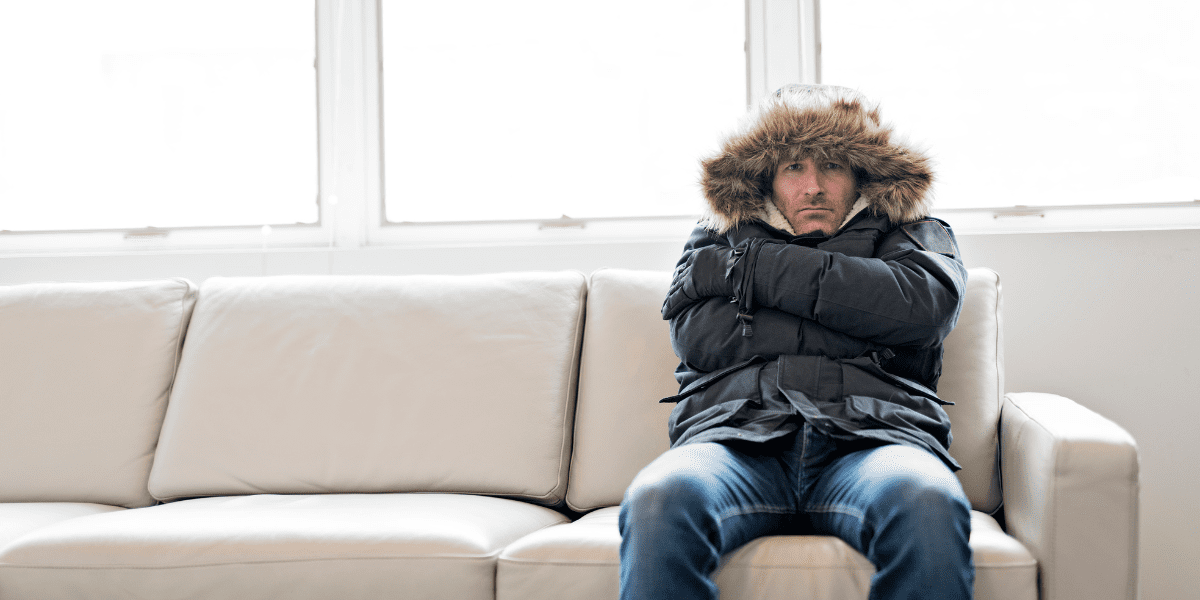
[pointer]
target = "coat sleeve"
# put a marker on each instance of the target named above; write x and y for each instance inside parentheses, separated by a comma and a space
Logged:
(909, 296)
(706, 335)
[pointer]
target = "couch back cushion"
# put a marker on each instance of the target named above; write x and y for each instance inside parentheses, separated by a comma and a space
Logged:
(628, 365)
(376, 384)
(85, 371)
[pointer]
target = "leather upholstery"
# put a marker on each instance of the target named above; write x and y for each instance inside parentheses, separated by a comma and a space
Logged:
(626, 367)
(20, 518)
(973, 378)
(1071, 496)
(376, 384)
(85, 370)
(581, 559)
(304, 404)
(344, 546)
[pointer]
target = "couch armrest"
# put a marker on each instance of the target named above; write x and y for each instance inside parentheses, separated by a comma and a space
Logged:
(1070, 481)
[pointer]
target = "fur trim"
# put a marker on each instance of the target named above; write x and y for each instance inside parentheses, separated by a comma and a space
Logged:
(771, 216)
(823, 122)
(858, 206)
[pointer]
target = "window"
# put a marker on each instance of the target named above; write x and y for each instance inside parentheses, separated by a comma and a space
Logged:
(539, 109)
(138, 113)
(479, 122)
(1033, 103)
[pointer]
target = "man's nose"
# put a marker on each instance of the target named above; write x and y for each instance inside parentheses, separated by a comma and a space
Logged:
(810, 184)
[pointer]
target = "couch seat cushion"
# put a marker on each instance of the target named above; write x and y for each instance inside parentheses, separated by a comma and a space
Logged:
(580, 560)
(20, 518)
(276, 546)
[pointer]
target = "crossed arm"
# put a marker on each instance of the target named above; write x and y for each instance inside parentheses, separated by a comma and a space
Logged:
(808, 300)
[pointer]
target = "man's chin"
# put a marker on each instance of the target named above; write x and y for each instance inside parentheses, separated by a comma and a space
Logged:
(808, 222)
(825, 229)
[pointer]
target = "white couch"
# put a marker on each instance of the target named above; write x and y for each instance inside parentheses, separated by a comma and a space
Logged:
(451, 437)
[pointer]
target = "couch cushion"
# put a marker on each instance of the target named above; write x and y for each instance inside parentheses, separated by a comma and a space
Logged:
(581, 559)
(269, 546)
(628, 365)
(973, 378)
(85, 370)
(375, 384)
(20, 518)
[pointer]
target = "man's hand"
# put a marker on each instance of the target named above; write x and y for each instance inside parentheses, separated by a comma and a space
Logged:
(707, 272)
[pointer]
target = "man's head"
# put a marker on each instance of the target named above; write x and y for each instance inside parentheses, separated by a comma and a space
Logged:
(814, 194)
(829, 125)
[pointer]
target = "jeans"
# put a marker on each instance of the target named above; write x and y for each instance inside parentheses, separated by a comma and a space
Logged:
(901, 507)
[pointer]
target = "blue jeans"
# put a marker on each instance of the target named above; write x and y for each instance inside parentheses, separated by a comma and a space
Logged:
(901, 507)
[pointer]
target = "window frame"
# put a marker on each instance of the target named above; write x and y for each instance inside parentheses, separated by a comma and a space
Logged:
(782, 46)
(1066, 218)
(775, 55)
(187, 238)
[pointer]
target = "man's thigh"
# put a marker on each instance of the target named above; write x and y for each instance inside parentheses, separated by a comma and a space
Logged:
(739, 493)
(857, 495)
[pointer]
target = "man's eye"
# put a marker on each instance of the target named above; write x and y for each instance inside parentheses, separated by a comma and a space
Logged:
(833, 166)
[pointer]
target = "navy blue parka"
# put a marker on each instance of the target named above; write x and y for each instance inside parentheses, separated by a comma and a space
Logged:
(844, 332)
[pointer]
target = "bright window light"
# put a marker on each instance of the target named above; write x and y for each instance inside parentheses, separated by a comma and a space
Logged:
(536, 109)
(1031, 102)
(142, 113)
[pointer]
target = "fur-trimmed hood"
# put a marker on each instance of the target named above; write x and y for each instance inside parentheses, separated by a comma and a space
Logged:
(820, 121)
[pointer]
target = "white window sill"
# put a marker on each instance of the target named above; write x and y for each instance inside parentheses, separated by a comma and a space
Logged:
(1073, 218)
(535, 233)
(183, 239)
(1047, 219)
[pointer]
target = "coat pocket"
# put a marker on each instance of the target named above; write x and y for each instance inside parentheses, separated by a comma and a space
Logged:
(733, 401)
(816, 377)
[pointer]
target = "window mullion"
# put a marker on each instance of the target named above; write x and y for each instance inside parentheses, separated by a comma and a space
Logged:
(347, 51)
(782, 44)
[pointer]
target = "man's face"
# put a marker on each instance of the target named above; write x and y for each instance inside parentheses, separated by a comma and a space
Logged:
(814, 196)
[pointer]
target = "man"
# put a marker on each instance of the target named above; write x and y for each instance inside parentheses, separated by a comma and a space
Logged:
(808, 311)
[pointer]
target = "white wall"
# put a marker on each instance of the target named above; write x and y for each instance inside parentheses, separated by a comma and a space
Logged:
(1110, 320)
(1107, 319)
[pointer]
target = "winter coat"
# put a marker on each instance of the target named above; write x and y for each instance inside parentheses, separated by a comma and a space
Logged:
(843, 332)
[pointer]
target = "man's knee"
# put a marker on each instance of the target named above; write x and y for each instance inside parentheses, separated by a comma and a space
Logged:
(928, 499)
(929, 505)
(924, 516)
(682, 487)
(662, 495)
(921, 541)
